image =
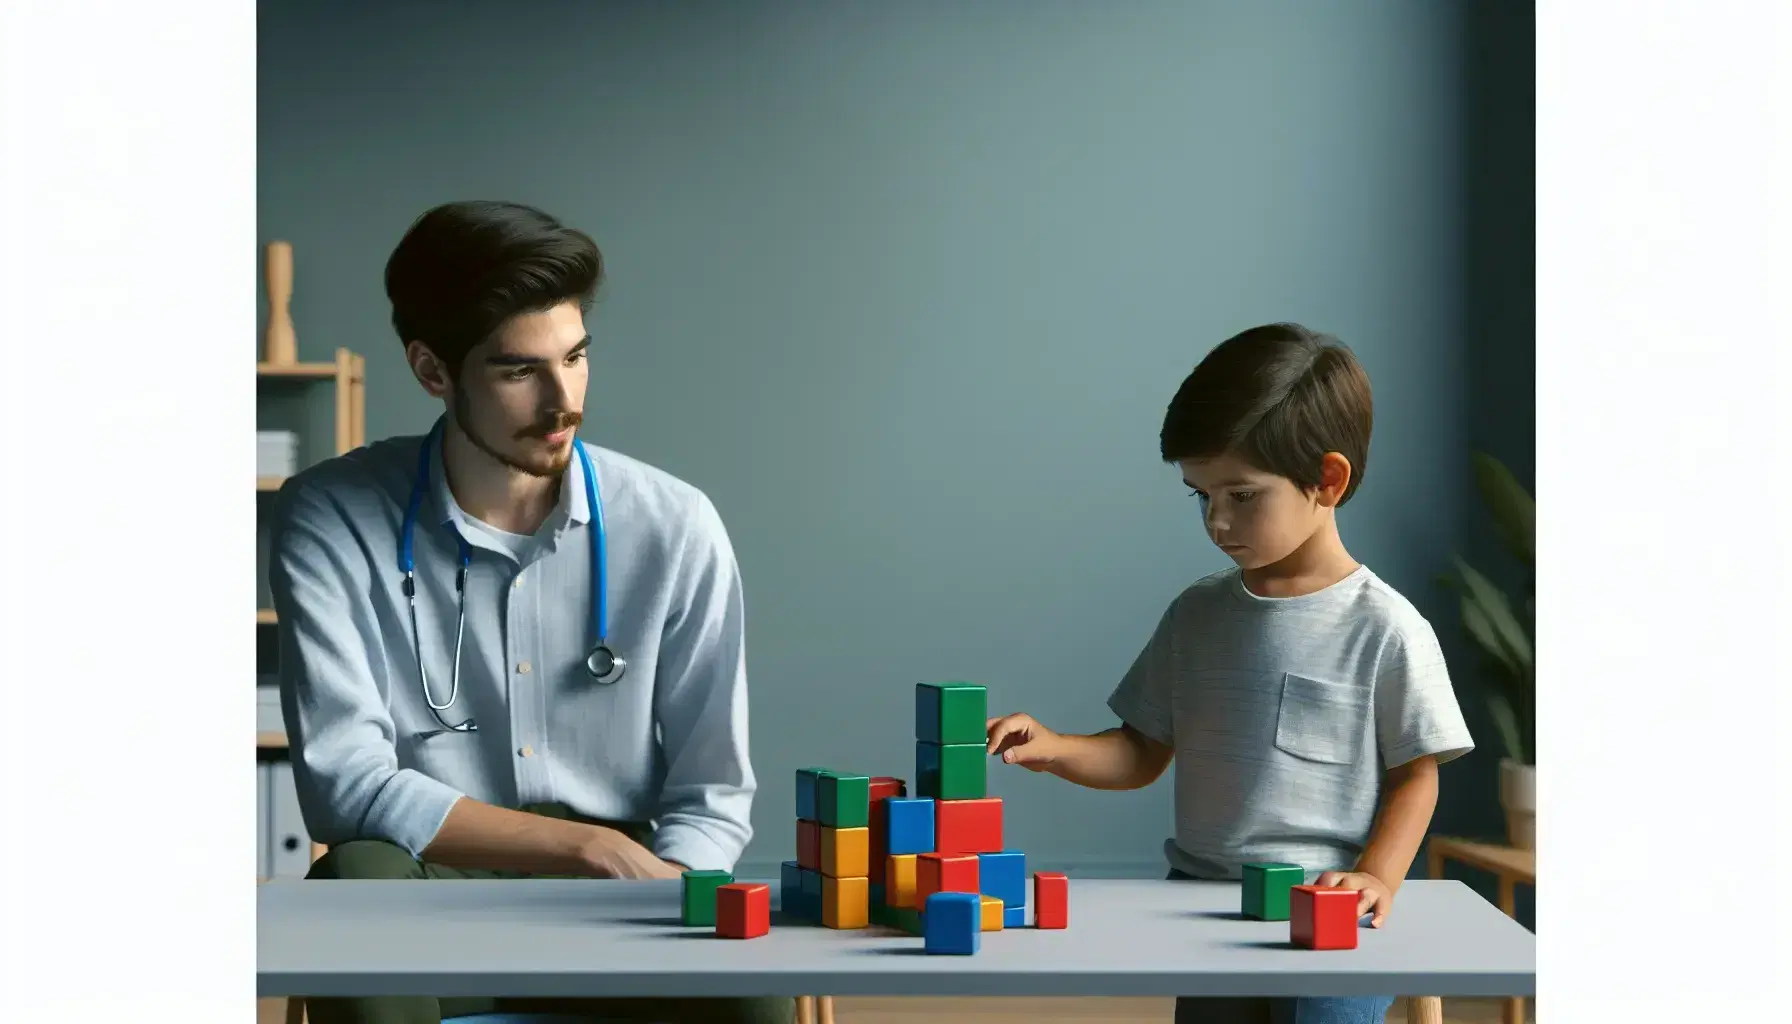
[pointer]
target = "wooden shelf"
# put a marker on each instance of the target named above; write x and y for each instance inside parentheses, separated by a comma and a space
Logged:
(269, 483)
(304, 370)
(270, 741)
(265, 617)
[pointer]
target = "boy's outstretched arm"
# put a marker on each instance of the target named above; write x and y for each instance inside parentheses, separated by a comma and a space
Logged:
(1119, 758)
(1409, 798)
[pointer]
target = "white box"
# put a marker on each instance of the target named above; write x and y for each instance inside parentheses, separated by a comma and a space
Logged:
(276, 453)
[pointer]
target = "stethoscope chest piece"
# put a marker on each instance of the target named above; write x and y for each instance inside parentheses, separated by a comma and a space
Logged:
(605, 666)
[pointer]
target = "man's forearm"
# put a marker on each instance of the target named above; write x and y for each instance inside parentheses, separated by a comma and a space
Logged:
(1400, 827)
(1106, 760)
(482, 836)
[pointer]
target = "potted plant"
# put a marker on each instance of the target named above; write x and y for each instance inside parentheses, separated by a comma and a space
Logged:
(1505, 637)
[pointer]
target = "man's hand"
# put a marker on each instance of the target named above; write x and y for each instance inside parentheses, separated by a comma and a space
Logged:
(1375, 896)
(610, 854)
(1023, 741)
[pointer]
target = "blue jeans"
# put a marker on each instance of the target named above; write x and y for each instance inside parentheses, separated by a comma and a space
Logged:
(1271, 1010)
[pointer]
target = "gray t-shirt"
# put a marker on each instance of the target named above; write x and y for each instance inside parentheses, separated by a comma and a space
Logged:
(1284, 713)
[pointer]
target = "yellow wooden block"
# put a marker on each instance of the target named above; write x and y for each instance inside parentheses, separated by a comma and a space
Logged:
(846, 852)
(899, 880)
(992, 914)
(846, 902)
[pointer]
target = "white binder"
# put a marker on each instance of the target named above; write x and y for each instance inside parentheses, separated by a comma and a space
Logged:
(264, 825)
(291, 846)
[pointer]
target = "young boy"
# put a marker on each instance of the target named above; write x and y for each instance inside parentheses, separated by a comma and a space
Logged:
(1296, 691)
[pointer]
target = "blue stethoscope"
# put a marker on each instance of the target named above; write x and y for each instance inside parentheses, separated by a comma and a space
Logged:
(603, 663)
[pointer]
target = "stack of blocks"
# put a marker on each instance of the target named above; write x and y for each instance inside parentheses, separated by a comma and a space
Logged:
(931, 864)
(1318, 917)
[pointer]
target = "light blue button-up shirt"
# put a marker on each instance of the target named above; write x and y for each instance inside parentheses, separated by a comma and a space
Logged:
(667, 743)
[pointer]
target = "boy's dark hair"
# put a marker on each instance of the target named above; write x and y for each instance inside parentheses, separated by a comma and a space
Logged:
(1279, 397)
(463, 270)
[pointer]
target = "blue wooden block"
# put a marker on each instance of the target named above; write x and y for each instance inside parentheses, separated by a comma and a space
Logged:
(908, 825)
(790, 888)
(951, 923)
(811, 895)
(1014, 917)
(1004, 876)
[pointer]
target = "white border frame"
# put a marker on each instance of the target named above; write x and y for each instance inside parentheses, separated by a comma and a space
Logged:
(127, 303)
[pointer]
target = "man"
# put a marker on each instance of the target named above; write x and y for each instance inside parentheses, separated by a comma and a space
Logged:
(509, 758)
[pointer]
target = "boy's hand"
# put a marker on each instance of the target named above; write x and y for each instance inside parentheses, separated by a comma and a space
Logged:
(1020, 740)
(1375, 896)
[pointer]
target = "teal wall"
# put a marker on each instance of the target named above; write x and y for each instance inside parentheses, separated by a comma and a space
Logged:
(906, 287)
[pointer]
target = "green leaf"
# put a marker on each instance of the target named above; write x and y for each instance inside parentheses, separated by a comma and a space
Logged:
(1507, 723)
(1489, 616)
(1514, 511)
(1479, 626)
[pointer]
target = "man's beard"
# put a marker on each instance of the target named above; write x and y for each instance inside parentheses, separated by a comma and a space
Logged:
(553, 425)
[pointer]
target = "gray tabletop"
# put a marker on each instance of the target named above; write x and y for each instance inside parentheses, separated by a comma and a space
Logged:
(589, 938)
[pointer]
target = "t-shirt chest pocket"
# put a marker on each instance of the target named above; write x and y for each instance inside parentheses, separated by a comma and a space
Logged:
(1321, 721)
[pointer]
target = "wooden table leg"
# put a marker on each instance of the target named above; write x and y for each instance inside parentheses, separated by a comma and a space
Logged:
(1427, 1009)
(805, 1010)
(1513, 1011)
(825, 1007)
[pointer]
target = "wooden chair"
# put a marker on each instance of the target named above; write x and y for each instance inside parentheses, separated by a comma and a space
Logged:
(1512, 867)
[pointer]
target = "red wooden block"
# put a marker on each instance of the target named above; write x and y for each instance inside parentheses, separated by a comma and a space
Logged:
(880, 848)
(808, 844)
(945, 872)
(1322, 918)
(882, 788)
(1051, 899)
(743, 910)
(968, 826)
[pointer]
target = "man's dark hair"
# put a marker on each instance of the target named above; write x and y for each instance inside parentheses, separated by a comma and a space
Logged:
(1279, 397)
(464, 270)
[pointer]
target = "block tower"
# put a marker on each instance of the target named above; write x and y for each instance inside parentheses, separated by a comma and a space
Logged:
(882, 854)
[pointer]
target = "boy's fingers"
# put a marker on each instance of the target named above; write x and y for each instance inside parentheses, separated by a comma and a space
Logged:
(999, 735)
(1021, 753)
(999, 729)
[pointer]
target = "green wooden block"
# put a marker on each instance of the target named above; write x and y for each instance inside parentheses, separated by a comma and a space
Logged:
(700, 896)
(844, 801)
(951, 771)
(907, 919)
(1266, 890)
(951, 713)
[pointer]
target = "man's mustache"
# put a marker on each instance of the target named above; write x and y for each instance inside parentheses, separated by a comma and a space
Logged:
(554, 424)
